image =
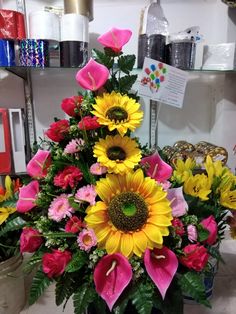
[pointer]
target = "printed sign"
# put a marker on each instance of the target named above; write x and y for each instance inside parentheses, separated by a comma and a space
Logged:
(162, 82)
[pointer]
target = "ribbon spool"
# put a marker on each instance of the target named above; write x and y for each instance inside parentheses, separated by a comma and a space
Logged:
(82, 7)
(12, 25)
(34, 53)
(7, 53)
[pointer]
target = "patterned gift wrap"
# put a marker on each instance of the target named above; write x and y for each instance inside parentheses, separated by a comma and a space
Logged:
(34, 53)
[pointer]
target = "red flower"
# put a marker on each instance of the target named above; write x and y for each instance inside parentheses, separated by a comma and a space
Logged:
(57, 130)
(196, 256)
(74, 224)
(178, 226)
(69, 105)
(69, 176)
(55, 263)
(88, 123)
(30, 240)
(210, 224)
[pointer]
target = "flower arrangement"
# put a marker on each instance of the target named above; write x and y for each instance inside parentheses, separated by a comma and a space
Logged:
(107, 219)
(9, 220)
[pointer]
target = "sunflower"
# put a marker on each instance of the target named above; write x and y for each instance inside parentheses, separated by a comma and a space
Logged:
(118, 112)
(133, 214)
(118, 154)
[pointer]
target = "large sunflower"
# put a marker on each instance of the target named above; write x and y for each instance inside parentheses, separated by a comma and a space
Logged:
(118, 154)
(118, 112)
(133, 215)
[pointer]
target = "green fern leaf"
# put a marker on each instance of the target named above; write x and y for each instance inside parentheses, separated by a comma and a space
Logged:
(83, 297)
(102, 58)
(12, 225)
(142, 298)
(39, 285)
(33, 262)
(78, 260)
(192, 285)
(126, 63)
(64, 289)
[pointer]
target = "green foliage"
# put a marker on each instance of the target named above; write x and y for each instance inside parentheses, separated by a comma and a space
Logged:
(173, 302)
(84, 295)
(126, 63)
(103, 58)
(34, 261)
(126, 82)
(12, 225)
(142, 298)
(79, 259)
(202, 233)
(192, 285)
(64, 288)
(40, 283)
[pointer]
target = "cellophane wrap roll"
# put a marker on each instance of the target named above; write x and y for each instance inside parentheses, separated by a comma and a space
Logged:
(7, 53)
(181, 54)
(34, 53)
(12, 25)
(83, 7)
(74, 27)
(73, 54)
(44, 25)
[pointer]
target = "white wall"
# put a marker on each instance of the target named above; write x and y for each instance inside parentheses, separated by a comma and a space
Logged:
(209, 107)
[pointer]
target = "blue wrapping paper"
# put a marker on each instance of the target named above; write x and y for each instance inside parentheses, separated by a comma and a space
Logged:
(34, 53)
(7, 53)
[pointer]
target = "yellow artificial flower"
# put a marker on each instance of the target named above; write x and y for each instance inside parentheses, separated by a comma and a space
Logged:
(183, 169)
(8, 189)
(118, 112)
(118, 154)
(5, 212)
(228, 199)
(198, 186)
(134, 214)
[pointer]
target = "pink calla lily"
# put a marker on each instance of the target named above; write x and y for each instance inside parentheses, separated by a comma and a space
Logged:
(178, 203)
(38, 165)
(115, 38)
(27, 197)
(161, 266)
(93, 76)
(111, 275)
(157, 168)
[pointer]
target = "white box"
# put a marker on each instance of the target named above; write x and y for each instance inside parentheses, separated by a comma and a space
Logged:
(219, 57)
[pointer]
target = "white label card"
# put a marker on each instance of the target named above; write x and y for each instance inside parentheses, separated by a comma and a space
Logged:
(162, 82)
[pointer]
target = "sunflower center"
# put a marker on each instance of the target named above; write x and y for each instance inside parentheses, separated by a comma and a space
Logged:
(128, 211)
(117, 113)
(116, 152)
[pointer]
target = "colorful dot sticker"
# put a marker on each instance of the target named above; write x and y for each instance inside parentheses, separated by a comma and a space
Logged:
(155, 75)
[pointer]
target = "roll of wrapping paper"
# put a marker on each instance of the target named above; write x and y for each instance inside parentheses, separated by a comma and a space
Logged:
(83, 7)
(12, 25)
(34, 53)
(44, 25)
(5, 142)
(7, 53)
(181, 54)
(73, 54)
(74, 27)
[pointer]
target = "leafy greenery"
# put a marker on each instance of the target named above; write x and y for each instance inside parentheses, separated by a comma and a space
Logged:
(40, 283)
(84, 296)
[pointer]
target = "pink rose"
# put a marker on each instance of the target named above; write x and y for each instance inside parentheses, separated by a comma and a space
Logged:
(55, 263)
(30, 240)
(192, 233)
(196, 257)
(211, 225)
(71, 104)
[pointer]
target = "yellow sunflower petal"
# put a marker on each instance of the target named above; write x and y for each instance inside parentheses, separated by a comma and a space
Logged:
(153, 233)
(113, 242)
(127, 244)
(140, 240)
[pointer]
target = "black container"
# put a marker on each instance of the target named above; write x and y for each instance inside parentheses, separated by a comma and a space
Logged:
(73, 54)
(181, 55)
(152, 46)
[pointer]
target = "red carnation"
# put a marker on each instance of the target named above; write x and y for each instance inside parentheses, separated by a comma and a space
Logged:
(69, 176)
(71, 105)
(196, 257)
(57, 130)
(88, 123)
(178, 226)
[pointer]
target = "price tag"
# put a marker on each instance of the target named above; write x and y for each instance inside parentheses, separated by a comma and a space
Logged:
(163, 83)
